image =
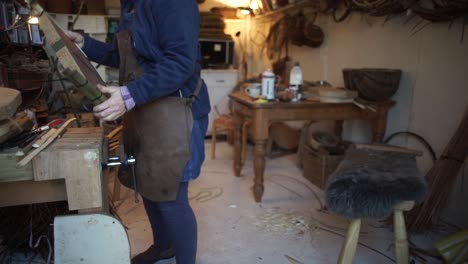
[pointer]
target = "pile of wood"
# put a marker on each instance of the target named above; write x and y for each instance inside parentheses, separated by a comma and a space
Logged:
(212, 26)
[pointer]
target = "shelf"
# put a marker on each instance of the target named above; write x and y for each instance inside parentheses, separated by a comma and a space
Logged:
(282, 9)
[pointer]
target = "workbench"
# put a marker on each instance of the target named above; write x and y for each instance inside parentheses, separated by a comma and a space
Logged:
(68, 169)
(262, 115)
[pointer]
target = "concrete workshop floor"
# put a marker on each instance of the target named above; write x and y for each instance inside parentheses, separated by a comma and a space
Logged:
(234, 229)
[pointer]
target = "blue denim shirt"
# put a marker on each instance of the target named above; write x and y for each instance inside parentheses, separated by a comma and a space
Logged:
(165, 41)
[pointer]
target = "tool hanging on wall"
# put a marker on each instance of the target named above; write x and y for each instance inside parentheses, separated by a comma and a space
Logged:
(71, 58)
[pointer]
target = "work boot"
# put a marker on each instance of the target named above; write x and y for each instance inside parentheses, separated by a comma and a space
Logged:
(151, 255)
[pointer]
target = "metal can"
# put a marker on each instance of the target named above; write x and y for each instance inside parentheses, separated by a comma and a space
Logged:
(268, 84)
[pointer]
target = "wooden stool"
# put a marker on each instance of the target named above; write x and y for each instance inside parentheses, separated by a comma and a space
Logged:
(401, 243)
(375, 181)
(226, 123)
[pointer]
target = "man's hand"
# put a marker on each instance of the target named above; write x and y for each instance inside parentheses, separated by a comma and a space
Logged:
(112, 108)
(75, 37)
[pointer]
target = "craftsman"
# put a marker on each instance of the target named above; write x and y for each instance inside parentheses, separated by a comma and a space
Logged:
(164, 39)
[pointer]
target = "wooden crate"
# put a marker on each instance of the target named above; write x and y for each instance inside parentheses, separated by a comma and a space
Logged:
(318, 165)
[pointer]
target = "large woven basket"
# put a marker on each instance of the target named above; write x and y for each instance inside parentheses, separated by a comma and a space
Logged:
(373, 84)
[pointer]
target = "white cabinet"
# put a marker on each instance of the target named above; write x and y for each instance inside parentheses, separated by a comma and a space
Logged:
(220, 83)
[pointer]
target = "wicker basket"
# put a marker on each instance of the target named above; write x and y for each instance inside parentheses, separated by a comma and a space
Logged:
(317, 165)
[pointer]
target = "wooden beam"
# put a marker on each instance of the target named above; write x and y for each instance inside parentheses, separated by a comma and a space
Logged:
(30, 192)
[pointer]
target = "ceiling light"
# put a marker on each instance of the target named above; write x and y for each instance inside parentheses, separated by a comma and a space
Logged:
(33, 20)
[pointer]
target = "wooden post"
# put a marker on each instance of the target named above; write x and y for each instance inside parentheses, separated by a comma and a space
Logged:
(116, 192)
(349, 248)
(238, 120)
(213, 140)
(259, 169)
(245, 125)
(401, 241)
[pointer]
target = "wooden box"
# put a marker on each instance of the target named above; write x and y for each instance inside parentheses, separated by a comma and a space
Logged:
(318, 165)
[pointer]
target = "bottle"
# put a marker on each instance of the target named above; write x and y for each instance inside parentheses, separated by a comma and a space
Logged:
(295, 82)
(268, 84)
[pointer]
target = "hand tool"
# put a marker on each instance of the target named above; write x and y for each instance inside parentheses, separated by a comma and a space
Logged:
(33, 153)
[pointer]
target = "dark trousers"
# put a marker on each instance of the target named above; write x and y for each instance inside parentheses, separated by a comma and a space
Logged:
(174, 224)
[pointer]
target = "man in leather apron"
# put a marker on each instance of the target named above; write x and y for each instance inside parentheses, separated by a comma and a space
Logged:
(165, 106)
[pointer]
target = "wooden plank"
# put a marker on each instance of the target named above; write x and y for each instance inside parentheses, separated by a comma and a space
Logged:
(30, 192)
(44, 138)
(76, 157)
(114, 132)
(389, 148)
(10, 99)
(9, 172)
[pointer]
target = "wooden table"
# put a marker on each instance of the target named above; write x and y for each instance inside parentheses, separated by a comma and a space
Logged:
(68, 169)
(262, 115)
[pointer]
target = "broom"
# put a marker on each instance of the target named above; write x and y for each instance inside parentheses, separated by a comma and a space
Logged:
(440, 180)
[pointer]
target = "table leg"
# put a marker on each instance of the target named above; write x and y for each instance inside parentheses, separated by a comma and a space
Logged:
(379, 125)
(259, 167)
(238, 120)
(339, 128)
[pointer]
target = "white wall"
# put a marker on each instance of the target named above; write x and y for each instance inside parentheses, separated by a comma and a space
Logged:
(433, 94)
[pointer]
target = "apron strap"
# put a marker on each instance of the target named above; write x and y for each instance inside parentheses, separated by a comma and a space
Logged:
(194, 96)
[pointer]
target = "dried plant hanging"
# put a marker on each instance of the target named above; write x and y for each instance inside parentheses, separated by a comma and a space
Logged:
(428, 11)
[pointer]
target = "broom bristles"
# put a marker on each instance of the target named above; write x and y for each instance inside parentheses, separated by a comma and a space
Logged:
(440, 179)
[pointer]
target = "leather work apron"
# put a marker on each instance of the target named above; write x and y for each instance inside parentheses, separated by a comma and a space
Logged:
(157, 134)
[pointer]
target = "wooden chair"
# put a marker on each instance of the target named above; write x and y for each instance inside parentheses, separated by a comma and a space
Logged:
(225, 123)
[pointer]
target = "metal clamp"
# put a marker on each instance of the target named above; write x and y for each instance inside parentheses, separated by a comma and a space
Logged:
(127, 161)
